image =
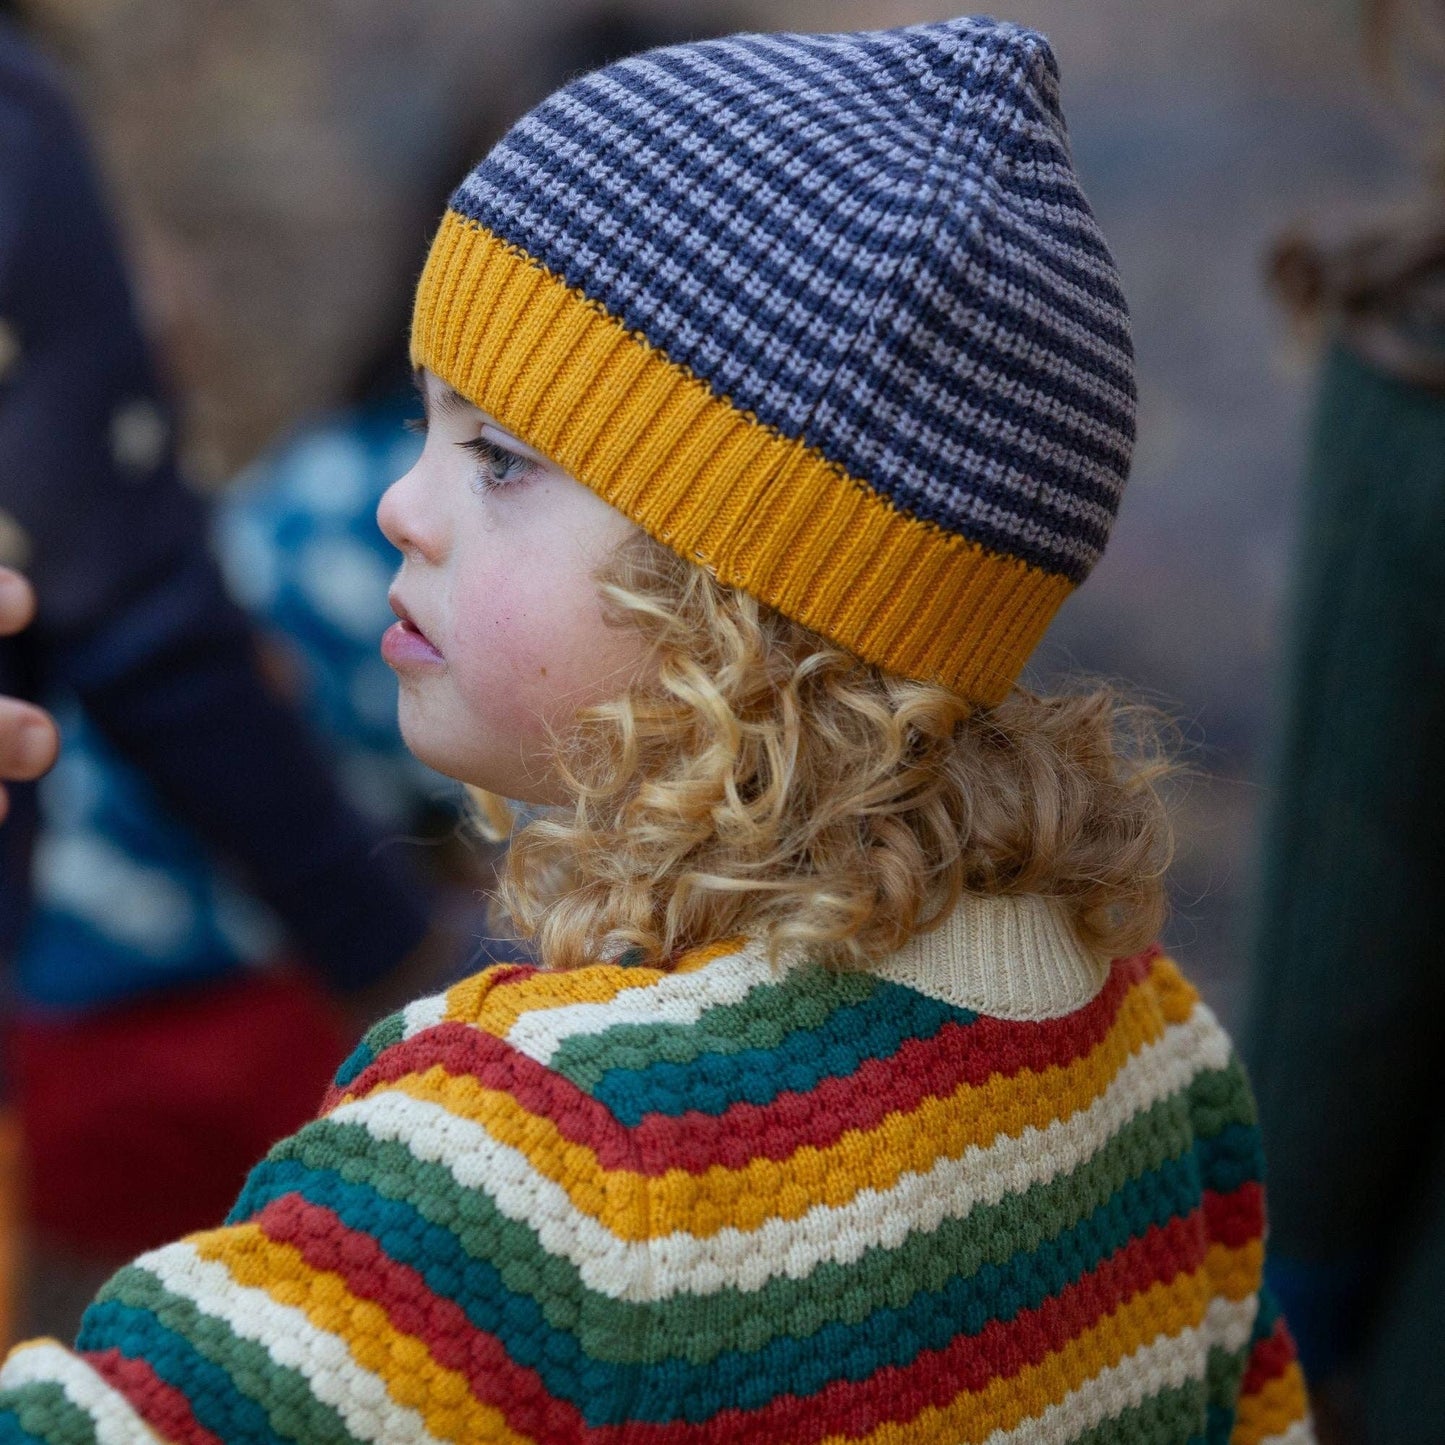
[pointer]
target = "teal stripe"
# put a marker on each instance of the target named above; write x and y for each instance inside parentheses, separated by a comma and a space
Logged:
(796, 1060)
(1220, 1424)
(1268, 1316)
(379, 1037)
(263, 1401)
(1232, 1157)
(139, 1335)
(803, 998)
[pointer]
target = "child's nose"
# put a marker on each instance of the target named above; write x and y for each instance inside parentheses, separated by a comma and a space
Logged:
(403, 520)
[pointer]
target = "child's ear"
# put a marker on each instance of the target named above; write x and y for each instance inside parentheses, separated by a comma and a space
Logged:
(491, 814)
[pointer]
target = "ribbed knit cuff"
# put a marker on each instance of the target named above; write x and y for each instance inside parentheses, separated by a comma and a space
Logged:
(766, 513)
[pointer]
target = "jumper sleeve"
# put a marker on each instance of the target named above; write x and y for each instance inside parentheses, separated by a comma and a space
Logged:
(1256, 1389)
(1273, 1405)
(378, 1280)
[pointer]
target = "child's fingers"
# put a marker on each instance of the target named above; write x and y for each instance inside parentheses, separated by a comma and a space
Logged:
(17, 602)
(28, 741)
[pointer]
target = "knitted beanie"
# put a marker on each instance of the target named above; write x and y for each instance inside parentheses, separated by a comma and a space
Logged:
(827, 314)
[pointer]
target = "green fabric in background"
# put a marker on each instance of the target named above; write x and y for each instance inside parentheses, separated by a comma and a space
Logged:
(1345, 1039)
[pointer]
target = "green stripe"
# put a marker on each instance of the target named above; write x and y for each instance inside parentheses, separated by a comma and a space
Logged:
(698, 1328)
(391, 1030)
(1167, 1418)
(802, 1000)
(283, 1393)
(1222, 1098)
(43, 1410)
(1225, 1374)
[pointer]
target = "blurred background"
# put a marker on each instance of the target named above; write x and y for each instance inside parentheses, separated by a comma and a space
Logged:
(277, 169)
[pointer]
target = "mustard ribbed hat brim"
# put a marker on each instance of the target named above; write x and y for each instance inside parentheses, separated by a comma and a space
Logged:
(764, 512)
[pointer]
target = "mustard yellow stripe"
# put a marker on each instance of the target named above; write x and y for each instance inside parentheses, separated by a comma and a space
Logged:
(494, 1010)
(1280, 1403)
(413, 1378)
(636, 1207)
(1004, 1404)
(696, 958)
(1178, 998)
(1235, 1273)
(476, 1001)
(766, 512)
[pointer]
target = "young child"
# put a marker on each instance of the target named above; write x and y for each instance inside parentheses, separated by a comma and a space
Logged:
(779, 389)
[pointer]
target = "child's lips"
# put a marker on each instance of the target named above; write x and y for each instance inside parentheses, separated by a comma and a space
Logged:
(404, 644)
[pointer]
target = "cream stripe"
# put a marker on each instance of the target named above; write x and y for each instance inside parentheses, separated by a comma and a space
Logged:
(47, 1362)
(1229, 1322)
(288, 1336)
(422, 1014)
(1302, 1432)
(677, 998)
(681, 1263)
(1166, 1363)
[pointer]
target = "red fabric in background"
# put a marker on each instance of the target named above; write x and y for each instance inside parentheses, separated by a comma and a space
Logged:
(140, 1123)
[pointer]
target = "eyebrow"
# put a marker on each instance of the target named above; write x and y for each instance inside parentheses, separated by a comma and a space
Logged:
(449, 400)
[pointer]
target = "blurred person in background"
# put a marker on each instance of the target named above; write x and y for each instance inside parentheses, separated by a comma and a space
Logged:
(156, 1112)
(1347, 1034)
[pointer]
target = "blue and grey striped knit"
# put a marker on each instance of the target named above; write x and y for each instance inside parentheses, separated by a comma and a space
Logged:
(870, 246)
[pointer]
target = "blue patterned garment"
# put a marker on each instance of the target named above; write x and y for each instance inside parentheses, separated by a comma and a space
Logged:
(126, 898)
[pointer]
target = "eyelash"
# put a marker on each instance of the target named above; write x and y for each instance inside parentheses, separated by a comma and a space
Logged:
(489, 454)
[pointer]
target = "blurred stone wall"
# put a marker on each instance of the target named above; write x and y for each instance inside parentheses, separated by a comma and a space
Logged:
(276, 164)
(277, 161)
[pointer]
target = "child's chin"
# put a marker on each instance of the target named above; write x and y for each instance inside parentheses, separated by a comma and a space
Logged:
(426, 743)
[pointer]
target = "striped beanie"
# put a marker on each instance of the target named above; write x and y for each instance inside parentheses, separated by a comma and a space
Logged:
(827, 314)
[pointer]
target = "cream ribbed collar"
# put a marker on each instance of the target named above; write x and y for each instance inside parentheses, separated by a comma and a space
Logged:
(1013, 958)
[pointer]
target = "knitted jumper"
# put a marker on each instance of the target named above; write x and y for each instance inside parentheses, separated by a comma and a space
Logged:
(991, 1190)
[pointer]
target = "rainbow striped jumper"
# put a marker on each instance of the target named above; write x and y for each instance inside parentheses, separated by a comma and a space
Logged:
(991, 1190)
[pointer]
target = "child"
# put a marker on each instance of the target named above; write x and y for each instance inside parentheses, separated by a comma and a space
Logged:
(778, 391)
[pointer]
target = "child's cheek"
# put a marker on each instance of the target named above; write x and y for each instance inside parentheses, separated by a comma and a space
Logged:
(512, 637)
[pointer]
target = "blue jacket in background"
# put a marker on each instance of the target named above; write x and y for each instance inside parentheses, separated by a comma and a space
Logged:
(134, 621)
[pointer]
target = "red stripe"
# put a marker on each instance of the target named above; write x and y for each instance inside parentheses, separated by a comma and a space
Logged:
(1269, 1359)
(499, 975)
(1237, 1218)
(414, 1308)
(934, 1378)
(509, 973)
(958, 1055)
(163, 1407)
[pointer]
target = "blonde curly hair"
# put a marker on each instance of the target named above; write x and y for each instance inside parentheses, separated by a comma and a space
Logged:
(759, 781)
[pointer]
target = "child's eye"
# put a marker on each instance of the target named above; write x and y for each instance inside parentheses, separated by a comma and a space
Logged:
(499, 466)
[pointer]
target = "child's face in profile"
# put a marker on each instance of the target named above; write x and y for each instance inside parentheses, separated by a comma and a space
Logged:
(501, 632)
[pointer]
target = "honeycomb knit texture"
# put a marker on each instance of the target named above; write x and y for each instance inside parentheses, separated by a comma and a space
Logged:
(829, 314)
(728, 1202)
